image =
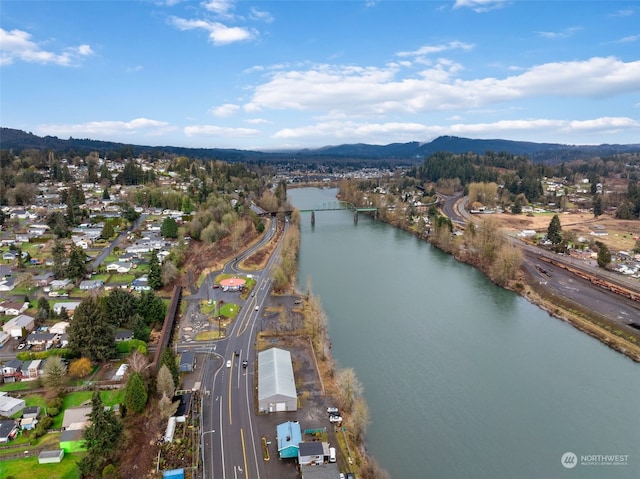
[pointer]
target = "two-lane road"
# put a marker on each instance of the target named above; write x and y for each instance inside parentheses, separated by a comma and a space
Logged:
(231, 446)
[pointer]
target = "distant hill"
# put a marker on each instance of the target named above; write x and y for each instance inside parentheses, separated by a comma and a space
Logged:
(412, 152)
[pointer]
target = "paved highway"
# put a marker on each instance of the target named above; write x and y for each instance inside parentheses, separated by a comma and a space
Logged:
(230, 444)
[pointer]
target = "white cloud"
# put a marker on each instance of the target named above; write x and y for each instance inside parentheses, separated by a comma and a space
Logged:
(17, 45)
(375, 91)
(109, 129)
(540, 130)
(228, 109)
(480, 6)
(629, 39)
(431, 49)
(257, 121)
(622, 13)
(566, 33)
(260, 15)
(219, 34)
(219, 131)
(221, 8)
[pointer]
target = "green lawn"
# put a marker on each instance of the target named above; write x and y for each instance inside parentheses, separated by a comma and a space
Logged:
(21, 386)
(229, 310)
(122, 278)
(109, 398)
(29, 467)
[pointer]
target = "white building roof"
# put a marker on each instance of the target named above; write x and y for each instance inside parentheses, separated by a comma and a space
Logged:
(275, 374)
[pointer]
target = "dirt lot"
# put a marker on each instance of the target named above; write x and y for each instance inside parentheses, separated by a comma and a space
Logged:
(620, 237)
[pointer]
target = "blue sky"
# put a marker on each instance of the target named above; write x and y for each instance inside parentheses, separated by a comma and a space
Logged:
(303, 74)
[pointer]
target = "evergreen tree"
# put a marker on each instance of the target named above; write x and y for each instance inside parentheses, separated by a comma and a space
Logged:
(90, 333)
(120, 307)
(554, 232)
(59, 260)
(169, 228)
(105, 174)
(516, 208)
(77, 267)
(168, 358)
(107, 230)
(155, 273)
(597, 205)
(135, 394)
(604, 255)
(44, 309)
(102, 438)
(151, 308)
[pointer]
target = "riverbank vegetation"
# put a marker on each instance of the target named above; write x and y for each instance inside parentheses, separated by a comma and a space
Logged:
(485, 244)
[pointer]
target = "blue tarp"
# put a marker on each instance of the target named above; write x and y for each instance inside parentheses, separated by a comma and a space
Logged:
(173, 474)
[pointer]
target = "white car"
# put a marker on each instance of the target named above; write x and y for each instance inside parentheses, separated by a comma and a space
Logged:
(228, 363)
(337, 419)
(332, 410)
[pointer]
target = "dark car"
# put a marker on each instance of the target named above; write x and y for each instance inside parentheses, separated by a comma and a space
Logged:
(237, 353)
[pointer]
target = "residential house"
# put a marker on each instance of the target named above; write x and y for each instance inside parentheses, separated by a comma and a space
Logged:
(5, 271)
(289, 437)
(75, 421)
(34, 368)
(59, 328)
(8, 430)
(69, 307)
(311, 453)
(76, 417)
(41, 339)
(9, 256)
(123, 335)
(8, 283)
(141, 284)
(12, 371)
(13, 308)
(15, 325)
(120, 267)
(187, 362)
(28, 423)
(111, 285)
(31, 412)
(91, 284)
(59, 284)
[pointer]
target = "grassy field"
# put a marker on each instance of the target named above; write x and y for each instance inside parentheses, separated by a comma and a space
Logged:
(21, 386)
(29, 467)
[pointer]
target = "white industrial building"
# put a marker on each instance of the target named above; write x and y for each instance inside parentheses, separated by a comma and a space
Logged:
(276, 384)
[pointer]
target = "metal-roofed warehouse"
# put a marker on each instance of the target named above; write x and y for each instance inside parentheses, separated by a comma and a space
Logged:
(276, 384)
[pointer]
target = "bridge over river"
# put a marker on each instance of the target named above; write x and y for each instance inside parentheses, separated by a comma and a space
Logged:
(337, 205)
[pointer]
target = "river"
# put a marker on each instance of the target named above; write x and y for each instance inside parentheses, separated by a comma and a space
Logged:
(463, 379)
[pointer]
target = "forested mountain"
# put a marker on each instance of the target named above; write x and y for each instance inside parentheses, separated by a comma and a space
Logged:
(406, 153)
